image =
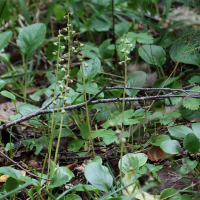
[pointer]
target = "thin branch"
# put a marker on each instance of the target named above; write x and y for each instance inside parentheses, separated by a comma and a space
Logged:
(103, 88)
(72, 107)
(5, 156)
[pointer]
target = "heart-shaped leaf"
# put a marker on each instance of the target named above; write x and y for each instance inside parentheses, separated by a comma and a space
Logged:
(31, 37)
(99, 176)
(152, 54)
(171, 146)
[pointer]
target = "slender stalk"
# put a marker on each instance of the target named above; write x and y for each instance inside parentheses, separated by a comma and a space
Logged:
(87, 114)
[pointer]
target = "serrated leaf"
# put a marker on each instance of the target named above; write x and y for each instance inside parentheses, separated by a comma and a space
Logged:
(26, 109)
(131, 37)
(191, 103)
(194, 79)
(121, 28)
(144, 38)
(191, 57)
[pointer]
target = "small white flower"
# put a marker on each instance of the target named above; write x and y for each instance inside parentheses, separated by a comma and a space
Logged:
(86, 65)
(81, 45)
(122, 40)
(55, 43)
(63, 111)
(123, 50)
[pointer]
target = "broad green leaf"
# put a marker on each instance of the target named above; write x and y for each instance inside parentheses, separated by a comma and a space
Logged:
(2, 83)
(100, 176)
(109, 136)
(152, 54)
(65, 172)
(75, 145)
(71, 96)
(130, 163)
(36, 96)
(157, 140)
(97, 159)
(191, 103)
(58, 180)
(121, 28)
(26, 109)
(191, 143)
(142, 158)
(144, 38)
(4, 39)
(72, 197)
(35, 123)
(117, 92)
(191, 57)
(186, 197)
(6, 12)
(189, 114)
(31, 37)
(103, 48)
(166, 121)
(194, 79)
(131, 37)
(171, 146)
(100, 25)
(91, 70)
(16, 174)
(135, 79)
(172, 114)
(168, 192)
(196, 129)
(65, 133)
(8, 95)
(14, 117)
(179, 131)
(9, 146)
(11, 184)
(188, 165)
(85, 131)
(59, 11)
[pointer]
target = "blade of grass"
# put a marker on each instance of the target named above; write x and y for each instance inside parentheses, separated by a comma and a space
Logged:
(48, 193)
(25, 12)
(63, 194)
(16, 190)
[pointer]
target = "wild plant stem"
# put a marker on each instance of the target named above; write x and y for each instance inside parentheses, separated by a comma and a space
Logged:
(89, 127)
(123, 108)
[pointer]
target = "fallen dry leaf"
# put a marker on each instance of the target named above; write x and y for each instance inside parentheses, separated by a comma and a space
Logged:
(156, 154)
